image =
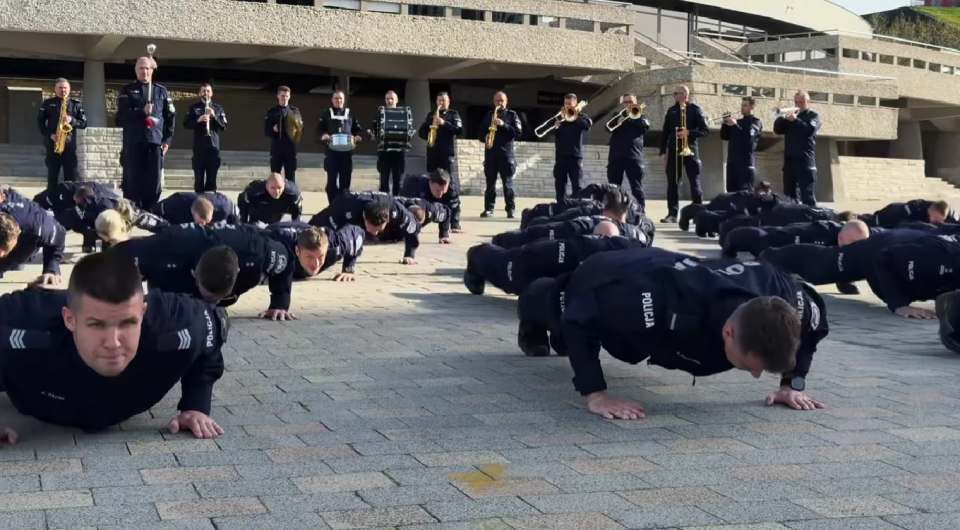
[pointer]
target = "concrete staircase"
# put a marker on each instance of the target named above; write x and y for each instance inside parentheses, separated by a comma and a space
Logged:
(23, 165)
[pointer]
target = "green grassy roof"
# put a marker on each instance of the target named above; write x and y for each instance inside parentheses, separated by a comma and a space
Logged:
(950, 15)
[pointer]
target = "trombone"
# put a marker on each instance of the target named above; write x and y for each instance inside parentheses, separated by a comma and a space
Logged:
(632, 112)
(568, 113)
(682, 145)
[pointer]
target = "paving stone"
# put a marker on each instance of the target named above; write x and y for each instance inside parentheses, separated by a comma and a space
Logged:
(19, 484)
(189, 475)
(611, 465)
(121, 495)
(172, 446)
(848, 487)
(672, 497)
(926, 521)
(42, 500)
(573, 521)
(247, 488)
(765, 491)
(597, 483)
(757, 512)
(772, 473)
(929, 434)
(183, 524)
(462, 458)
(314, 452)
(322, 502)
(8, 469)
(23, 520)
(373, 463)
(92, 479)
(853, 506)
(847, 523)
(666, 517)
(346, 482)
(209, 508)
(923, 483)
(126, 516)
(928, 502)
(410, 495)
(480, 509)
(853, 469)
(220, 458)
(394, 516)
(606, 503)
(109, 463)
(287, 521)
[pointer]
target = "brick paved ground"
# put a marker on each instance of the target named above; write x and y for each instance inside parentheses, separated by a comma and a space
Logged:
(402, 401)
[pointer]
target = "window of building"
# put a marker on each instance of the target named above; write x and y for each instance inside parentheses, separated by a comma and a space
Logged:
(843, 99)
(613, 27)
(757, 58)
(867, 101)
(298, 2)
(822, 97)
(467, 14)
(509, 18)
(886, 59)
(579, 24)
(933, 67)
(921, 64)
(848, 53)
(763, 92)
(734, 90)
(823, 54)
(540, 20)
(868, 56)
(426, 11)
(947, 69)
(794, 56)
(903, 61)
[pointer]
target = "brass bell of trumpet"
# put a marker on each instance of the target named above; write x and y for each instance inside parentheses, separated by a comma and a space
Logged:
(779, 113)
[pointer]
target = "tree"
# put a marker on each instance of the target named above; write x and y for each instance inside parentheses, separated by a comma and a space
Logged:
(921, 28)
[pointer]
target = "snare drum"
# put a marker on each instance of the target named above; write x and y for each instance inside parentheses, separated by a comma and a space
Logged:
(341, 142)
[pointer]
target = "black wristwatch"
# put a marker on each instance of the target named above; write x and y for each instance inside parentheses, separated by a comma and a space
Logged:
(797, 383)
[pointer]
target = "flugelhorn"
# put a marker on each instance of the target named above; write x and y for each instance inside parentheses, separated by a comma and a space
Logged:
(632, 112)
(206, 106)
(779, 113)
(567, 113)
(151, 48)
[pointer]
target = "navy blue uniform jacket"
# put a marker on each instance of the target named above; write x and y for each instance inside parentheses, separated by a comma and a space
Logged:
(256, 204)
(919, 270)
(130, 104)
(640, 308)
(446, 144)
(348, 209)
(38, 231)
(48, 119)
(177, 208)
(44, 377)
(503, 140)
(800, 138)
(346, 244)
(696, 127)
(61, 197)
(626, 141)
(418, 186)
(167, 260)
(569, 136)
(743, 138)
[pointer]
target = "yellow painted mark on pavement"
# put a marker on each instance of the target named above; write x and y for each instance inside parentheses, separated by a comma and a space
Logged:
(487, 477)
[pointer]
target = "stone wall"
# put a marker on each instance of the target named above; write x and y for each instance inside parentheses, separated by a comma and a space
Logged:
(868, 179)
(98, 154)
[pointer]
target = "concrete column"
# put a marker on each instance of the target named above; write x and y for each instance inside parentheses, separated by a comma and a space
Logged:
(908, 143)
(713, 157)
(343, 83)
(95, 94)
(829, 177)
(418, 99)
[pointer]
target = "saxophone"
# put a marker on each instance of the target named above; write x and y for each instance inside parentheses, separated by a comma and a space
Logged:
(63, 128)
(492, 132)
(432, 137)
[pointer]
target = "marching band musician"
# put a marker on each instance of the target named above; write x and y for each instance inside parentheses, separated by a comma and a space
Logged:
(338, 164)
(283, 149)
(207, 120)
(499, 160)
(672, 131)
(569, 150)
(390, 164)
(449, 126)
(742, 136)
(49, 121)
(626, 151)
(800, 150)
(144, 145)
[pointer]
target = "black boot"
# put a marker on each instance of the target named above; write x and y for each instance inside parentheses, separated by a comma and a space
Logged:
(944, 304)
(848, 288)
(533, 340)
(473, 281)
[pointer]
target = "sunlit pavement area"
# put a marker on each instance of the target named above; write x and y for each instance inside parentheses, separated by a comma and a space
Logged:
(403, 401)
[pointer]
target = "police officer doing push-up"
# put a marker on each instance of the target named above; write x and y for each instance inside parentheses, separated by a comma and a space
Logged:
(380, 214)
(26, 229)
(724, 205)
(64, 196)
(783, 215)
(550, 209)
(513, 270)
(918, 270)
(101, 352)
(266, 201)
(218, 262)
(703, 318)
(844, 264)
(615, 211)
(755, 239)
(436, 187)
(918, 210)
(344, 244)
(203, 208)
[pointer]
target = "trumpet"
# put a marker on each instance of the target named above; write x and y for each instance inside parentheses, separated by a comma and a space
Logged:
(567, 113)
(779, 113)
(720, 120)
(632, 112)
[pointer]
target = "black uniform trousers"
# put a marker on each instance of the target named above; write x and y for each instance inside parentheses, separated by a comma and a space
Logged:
(799, 181)
(390, 165)
(206, 164)
(284, 160)
(505, 168)
(339, 168)
(66, 160)
(691, 173)
(633, 167)
(689, 213)
(141, 170)
(567, 167)
(740, 178)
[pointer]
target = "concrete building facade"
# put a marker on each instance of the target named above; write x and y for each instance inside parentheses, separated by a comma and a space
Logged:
(535, 50)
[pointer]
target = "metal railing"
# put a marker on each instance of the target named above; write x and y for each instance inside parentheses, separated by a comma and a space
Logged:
(796, 70)
(830, 32)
